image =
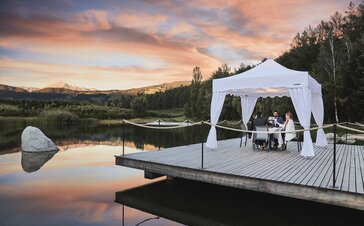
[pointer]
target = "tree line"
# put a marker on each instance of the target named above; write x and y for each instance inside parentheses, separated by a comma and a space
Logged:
(332, 53)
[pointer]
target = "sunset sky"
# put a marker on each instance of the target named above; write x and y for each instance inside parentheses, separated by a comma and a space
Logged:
(124, 44)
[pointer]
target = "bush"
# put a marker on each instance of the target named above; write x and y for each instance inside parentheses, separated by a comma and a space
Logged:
(101, 112)
(10, 110)
(60, 117)
(139, 105)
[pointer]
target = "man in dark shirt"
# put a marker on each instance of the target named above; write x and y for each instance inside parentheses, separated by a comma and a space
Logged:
(277, 119)
(276, 123)
(259, 121)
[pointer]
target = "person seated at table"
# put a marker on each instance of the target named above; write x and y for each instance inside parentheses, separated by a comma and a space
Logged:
(258, 121)
(276, 122)
(277, 119)
(289, 127)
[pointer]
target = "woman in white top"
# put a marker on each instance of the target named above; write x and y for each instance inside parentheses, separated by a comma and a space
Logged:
(289, 127)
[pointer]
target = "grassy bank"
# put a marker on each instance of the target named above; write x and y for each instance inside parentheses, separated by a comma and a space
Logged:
(72, 117)
(170, 115)
(60, 117)
(71, 112)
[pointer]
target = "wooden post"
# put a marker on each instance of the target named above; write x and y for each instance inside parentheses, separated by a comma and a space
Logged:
(122, 215)
(202, 153)
(346, 134)
(334, 160)
(159, 135)
(123, 135)
(187, 133)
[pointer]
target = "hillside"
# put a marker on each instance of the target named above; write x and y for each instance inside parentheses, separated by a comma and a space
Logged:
(11, 88)
(69, 93)
(64, 88)
(157, 88)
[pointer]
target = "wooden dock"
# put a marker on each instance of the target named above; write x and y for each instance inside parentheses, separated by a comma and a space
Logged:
(283, 173)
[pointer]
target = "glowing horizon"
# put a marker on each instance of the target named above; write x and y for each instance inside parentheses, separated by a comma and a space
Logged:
(126, 44)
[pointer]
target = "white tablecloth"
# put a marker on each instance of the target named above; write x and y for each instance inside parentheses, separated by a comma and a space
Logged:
(276, 135)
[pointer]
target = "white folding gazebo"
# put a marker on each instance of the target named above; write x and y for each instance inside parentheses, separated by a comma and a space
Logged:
(270, 79)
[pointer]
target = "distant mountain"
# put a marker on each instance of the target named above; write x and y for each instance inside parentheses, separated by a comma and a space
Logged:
(29, 89)
(157, 88)
(12, 88)
(64, 88)
(63, 85)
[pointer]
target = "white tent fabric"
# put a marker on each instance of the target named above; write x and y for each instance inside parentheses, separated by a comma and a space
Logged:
(318, 113)
(268, 79)
(301, 99)
(217, 103)
(247, 108)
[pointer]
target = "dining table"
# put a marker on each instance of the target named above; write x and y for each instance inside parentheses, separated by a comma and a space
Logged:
(273, 131)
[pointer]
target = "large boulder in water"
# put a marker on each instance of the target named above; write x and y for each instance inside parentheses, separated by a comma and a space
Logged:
(34, 140)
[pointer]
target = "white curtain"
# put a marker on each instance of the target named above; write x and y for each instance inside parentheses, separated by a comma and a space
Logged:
(217, 103)
(247, 107)
(301, 99)
(318, 114)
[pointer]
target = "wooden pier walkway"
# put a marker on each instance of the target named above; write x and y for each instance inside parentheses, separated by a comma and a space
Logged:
(283, 173)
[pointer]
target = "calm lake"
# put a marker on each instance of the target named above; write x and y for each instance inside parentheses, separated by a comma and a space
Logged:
(80, 184)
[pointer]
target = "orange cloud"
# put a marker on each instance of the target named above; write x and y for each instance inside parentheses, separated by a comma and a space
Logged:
(138, 20)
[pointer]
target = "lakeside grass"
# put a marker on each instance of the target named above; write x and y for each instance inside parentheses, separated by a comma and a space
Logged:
(59, 116)
(141, 120)
(170, 115)
(173, 112)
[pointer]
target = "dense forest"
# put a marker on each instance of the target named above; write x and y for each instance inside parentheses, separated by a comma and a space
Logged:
(332, 52)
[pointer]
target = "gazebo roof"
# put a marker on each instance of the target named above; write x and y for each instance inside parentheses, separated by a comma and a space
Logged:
(266, 79)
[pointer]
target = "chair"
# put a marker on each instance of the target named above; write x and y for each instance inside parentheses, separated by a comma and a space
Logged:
(298, 140)
(259, 136)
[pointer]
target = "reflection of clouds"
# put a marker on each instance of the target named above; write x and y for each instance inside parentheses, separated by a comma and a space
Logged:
(71, 144)
(78, 185)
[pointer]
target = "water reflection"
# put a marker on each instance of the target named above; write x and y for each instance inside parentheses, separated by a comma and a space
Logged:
(75, 188)
(33, 161)
(195, 203)
(99, 134)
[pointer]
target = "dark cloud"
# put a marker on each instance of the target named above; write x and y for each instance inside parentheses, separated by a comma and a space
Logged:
(13, 24)
(237, 21)
(26, 7)
(47, 26)
(122, 34)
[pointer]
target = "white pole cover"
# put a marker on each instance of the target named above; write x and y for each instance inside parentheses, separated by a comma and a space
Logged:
(301, 99)
(217, 103)
(247, 107)
(318, 114)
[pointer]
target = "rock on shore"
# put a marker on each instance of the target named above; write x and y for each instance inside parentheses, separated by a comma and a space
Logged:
(34, 140)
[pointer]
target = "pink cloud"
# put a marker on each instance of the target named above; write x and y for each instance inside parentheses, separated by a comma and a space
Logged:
(174, 37)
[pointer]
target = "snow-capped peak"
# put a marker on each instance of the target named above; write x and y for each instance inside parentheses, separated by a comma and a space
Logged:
(63, 85)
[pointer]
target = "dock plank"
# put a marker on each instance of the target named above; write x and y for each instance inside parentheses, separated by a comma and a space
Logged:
(317, 178)
(344, 176)
(360, 170)
(327, 180)
(276, 166)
